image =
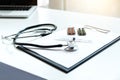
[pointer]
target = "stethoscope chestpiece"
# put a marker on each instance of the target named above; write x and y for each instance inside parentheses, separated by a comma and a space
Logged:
(71, 49)
(71, 46)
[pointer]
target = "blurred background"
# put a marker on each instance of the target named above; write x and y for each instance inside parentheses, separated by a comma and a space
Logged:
(100, 7)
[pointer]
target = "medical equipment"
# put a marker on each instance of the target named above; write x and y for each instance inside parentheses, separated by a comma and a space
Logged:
(39, 31)
(71, 45)
(81, 32)
(71, 31)
(48, 53)
(97, 29)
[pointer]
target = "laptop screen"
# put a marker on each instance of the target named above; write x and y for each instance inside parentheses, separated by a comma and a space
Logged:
(17, 2)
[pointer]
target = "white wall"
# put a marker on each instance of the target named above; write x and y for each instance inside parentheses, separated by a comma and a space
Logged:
(56, 4)
(102, 7)
(43, 3)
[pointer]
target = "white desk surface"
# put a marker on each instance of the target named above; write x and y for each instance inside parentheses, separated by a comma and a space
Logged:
(105, 66)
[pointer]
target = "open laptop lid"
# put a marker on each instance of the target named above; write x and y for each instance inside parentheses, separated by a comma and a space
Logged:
(18, 2)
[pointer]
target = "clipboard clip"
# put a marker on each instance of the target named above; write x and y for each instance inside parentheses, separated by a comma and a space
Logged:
(97, 29)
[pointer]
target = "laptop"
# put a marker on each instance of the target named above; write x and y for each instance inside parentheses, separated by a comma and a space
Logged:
(17, 8)
(8, 72)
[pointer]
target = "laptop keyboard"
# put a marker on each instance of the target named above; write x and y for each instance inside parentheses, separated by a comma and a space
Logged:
(15, 8)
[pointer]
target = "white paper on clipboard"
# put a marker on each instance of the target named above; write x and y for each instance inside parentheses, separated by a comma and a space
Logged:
(86, 45)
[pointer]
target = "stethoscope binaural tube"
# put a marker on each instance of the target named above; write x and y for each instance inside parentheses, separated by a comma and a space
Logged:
(54, 27)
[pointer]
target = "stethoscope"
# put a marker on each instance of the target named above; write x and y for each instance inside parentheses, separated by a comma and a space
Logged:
(44, 31)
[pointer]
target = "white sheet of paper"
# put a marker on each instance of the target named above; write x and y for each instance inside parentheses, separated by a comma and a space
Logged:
(86, 45)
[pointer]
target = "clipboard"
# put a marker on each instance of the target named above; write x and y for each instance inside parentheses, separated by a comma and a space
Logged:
(105, 43)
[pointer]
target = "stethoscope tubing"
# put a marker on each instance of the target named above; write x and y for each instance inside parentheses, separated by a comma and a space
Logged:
(40, 46)
(35, 45)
